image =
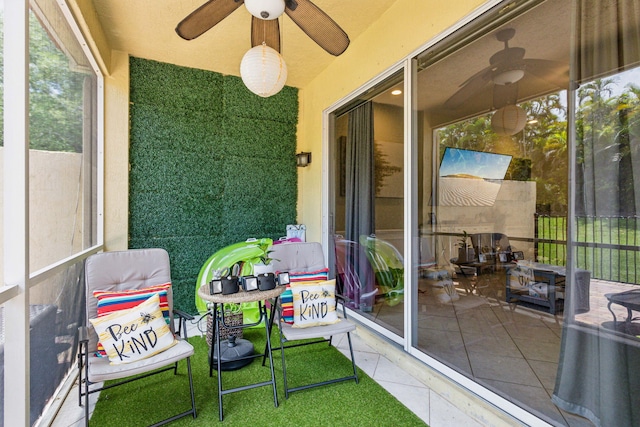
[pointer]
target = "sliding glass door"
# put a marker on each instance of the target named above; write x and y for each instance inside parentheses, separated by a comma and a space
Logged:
(525, 256)
(526, 275)
(368, 234)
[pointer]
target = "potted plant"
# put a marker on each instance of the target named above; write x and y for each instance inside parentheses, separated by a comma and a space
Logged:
(263, 264)
(466, 253)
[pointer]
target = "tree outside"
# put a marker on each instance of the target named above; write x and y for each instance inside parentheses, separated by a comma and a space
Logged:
(55, 94)
(606, 126)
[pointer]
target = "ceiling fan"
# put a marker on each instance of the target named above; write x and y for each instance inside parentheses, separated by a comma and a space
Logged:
(264, 24)
(506, 69)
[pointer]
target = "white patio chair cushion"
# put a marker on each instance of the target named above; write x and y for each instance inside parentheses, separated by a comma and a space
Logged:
(297, 257)
(100, 369)
(341, 327)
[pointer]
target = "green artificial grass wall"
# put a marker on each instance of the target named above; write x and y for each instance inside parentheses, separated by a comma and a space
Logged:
(211, 164)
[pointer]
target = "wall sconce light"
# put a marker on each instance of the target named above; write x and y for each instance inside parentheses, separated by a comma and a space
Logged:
(303, 159)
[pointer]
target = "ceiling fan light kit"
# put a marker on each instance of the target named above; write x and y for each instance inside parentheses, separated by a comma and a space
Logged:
(508, 77)
(508, 120)
(263, 71)
(507, 73)
(265, 9)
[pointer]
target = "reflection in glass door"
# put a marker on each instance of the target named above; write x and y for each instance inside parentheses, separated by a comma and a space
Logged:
(368, 234)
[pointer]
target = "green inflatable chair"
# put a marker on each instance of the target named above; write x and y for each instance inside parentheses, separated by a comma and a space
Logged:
(244, 254)
(387, 264)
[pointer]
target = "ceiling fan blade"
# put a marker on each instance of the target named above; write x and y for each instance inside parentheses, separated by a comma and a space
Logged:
(318, 26)
(554, 72)
(470, 87)
(205, 17)
(505, 95)
(267, 31)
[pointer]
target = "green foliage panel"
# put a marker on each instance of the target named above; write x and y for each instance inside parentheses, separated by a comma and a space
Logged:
(211, 164)
(169, 165)
(174, 214)
(165, 128)
(240, 102)
(260, 190)
(166, 86)
(260, 139)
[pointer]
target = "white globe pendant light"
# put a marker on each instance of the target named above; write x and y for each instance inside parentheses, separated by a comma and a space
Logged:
(508, 120)
(265, 9)
(263, 70)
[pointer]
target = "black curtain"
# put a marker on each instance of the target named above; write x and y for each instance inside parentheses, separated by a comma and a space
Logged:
(598, 371)
(360, 194)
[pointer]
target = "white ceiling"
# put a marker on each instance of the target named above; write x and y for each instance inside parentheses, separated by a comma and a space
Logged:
(146, 29)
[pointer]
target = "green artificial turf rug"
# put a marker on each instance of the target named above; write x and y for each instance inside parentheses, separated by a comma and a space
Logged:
(152, 399)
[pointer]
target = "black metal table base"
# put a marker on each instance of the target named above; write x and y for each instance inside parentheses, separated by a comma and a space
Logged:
(218, 320)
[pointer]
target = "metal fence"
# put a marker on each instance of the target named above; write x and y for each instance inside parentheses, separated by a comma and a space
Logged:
(609, 247)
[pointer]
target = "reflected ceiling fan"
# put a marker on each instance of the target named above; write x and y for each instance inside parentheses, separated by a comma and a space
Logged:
(506, 69)
(264, 24)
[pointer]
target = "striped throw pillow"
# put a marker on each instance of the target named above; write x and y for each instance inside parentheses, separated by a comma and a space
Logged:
(309, 276)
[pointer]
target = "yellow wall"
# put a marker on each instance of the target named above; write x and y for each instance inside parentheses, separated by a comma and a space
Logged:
(401, 30)
(116, 154)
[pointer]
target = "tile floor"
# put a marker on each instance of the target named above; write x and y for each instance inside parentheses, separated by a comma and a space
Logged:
(510, 349)
(416, 396)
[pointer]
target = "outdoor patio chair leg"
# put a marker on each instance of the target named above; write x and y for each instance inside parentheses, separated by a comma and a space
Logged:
(353, 360)
(284, 368)
(193, 396)
(80, 367)
(86, 397)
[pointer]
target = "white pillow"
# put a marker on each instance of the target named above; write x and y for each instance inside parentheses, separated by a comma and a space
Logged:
(314, 303)
(134, 334)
